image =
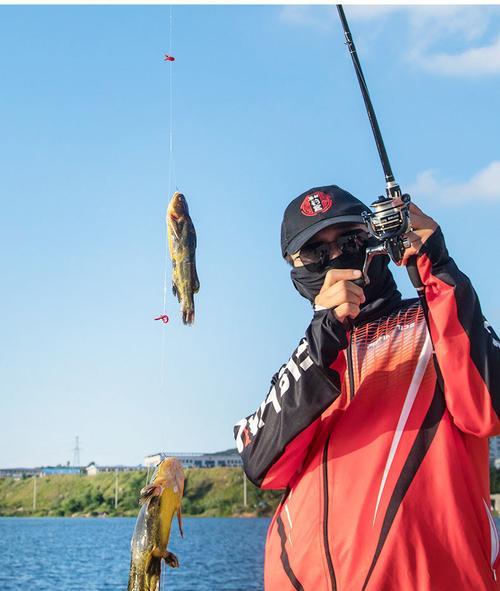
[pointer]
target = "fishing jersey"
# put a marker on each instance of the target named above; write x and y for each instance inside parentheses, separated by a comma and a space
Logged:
(384, 459)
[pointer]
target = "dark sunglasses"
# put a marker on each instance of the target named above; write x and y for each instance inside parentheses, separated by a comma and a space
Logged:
(316, 256)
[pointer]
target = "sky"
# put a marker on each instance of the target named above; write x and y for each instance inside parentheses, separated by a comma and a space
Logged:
(265, 106)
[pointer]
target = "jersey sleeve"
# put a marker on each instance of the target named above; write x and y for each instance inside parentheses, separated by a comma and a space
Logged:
(467, 349)
(274, 441)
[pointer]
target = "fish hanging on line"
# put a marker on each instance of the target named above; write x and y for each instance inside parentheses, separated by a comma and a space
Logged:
(160, 500)
(182, 247)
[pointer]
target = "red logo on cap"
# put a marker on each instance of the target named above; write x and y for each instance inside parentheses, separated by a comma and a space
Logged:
(316, 203)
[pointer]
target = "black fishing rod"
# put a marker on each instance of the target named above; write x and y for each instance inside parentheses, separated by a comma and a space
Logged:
(384, 159)
(390, 220)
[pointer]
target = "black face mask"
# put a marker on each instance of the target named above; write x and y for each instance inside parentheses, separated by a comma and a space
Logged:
(379, 292)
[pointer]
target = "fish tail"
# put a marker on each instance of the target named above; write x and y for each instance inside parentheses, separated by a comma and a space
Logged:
(188, 316)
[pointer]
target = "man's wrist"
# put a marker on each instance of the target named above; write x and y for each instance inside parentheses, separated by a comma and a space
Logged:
(435, 249)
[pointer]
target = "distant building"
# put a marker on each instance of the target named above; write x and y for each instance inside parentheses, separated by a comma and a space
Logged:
(52, 470)
(18, 473)
(92, 469)
(229, 459)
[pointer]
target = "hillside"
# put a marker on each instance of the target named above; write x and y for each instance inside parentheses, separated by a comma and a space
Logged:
(214, 492)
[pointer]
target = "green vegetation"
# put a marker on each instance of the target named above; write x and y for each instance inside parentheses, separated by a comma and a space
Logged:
(209, 492)
(494, 480)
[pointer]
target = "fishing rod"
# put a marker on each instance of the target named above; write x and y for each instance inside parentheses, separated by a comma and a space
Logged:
(390, 220)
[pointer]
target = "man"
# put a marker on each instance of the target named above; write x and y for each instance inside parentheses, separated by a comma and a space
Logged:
(385, 470)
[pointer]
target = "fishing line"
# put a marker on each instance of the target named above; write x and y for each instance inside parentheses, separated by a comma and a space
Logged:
(171, 177)
(171, 171)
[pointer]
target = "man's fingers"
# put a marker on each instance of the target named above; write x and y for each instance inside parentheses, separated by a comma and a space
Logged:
(344, 288)
(415, 209)
(335, 275)
(346, 311)
(342, 292)
(347, 291)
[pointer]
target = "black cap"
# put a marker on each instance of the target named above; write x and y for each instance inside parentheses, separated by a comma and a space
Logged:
(314, 210)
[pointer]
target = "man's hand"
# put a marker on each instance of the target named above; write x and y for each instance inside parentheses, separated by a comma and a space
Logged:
(423, 227)
(340, 293)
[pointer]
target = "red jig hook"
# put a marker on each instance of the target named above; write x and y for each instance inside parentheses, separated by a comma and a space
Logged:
(163, 318)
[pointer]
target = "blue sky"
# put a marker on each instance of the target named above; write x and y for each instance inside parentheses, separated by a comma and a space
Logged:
(266, 105)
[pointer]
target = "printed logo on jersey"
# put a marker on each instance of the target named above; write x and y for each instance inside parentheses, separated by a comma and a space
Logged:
(288, 375)
(315, 203)
(494, 338)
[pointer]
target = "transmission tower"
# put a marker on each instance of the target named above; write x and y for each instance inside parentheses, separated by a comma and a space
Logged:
(76, 452)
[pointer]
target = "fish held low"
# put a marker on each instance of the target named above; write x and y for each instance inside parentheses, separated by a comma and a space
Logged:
(159, 500)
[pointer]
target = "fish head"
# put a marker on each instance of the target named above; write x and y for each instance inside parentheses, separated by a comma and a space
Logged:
(169, 473)
(178, 207)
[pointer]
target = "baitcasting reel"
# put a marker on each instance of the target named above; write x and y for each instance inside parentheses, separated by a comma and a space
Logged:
(389, 222)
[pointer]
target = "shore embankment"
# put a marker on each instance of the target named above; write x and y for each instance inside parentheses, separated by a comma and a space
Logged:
(209, 492)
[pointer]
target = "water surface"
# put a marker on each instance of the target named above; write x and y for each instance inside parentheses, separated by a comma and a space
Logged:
(78, 554)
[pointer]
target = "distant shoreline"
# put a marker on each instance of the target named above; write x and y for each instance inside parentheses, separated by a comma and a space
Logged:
(209, 492)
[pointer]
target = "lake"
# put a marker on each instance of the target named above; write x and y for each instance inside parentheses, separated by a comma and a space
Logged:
(78, 554)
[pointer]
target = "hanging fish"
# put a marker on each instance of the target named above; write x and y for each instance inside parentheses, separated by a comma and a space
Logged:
(160, 500)
(182, 246)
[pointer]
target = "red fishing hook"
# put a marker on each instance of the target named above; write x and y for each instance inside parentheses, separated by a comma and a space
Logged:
(163, 318)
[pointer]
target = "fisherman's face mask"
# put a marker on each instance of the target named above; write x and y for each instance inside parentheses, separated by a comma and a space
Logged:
(308, 280)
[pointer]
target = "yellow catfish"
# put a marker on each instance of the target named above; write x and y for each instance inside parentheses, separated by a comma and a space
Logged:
(182, 247)
(160, 500)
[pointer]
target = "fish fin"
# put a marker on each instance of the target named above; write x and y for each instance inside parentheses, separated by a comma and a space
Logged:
(171, 559)
(179, 521)
(175, 228)
(153, 573)
(196, 281)
(192, 240)
(148, 492)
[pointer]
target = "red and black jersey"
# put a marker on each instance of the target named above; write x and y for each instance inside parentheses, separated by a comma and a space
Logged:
(386, 471)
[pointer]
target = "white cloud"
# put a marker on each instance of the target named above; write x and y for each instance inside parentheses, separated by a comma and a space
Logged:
(428, 28)
(483, 186)
(326, 17)
(476, 61)
(430, 24)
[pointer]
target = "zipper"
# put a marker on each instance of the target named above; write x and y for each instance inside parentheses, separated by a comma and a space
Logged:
(350, 367)
(325, 517)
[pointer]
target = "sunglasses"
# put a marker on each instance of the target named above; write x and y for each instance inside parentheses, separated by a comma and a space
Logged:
(316, 256)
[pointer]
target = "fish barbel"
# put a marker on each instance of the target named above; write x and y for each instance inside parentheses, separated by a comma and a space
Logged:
(160, 500)
(182, 247)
